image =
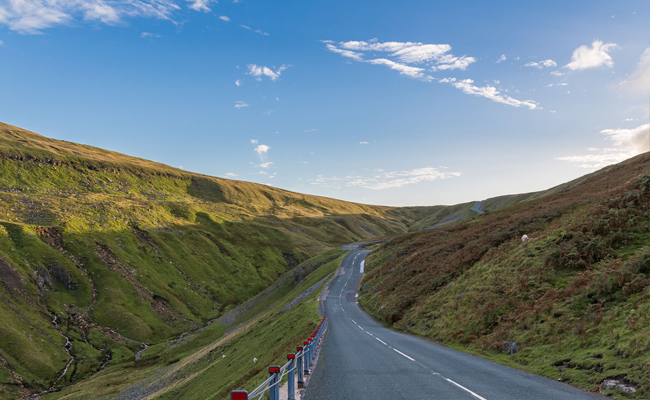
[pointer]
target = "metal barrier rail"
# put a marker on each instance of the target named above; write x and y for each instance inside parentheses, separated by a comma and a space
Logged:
(299, 361)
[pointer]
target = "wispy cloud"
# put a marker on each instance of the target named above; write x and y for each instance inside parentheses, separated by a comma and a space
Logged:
(417, 60)
(145, 35)
(385, 180)
(310, 130)
(224, 18)
(638, 83)
(254, 141)
(241, 104)
(557, 73)
(260, 71)
(628, 142)
(231, 175)
(266, 164)
(402, 56)
(363, 142)
(591, 57)
(489, 92)
(33, 16)
(541, 64)
(256, 30)
(200, 5)
(502, 58)
(238, 82)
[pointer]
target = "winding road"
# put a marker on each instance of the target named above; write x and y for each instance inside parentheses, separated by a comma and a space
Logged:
(361, 359)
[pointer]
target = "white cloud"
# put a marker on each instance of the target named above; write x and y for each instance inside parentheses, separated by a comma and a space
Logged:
(200, 5)
(413, 58)
(403, 69)
(635, 140)
(629, 142)
(385, 180)
(241, 104)
(180, 166)
(450, 62)
(363, 142)
(557, 73)
(259, 71)
(145, 35)
(246, 27)
(238, 82)
(502, 58)
(466, 85)
(639, 81)
(260, 32)
(345, 53)
(542, 64)
(401, 54)
(266, 164)
(224, 18)
(254, 141)
(584, 57)
(33, 16)
(231, 175)
(262, 149)
(311, 130)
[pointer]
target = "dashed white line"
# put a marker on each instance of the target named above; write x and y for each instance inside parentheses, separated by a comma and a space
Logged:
(381, 341)
(466, 389)
(406, 356)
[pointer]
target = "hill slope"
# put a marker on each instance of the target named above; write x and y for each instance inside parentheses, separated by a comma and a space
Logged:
(111, 252)
(572, 303)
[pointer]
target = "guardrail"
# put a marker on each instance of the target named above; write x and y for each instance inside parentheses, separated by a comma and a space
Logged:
(299, 361)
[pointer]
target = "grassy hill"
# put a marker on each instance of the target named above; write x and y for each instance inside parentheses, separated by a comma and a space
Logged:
(572, 303)
(114, 252)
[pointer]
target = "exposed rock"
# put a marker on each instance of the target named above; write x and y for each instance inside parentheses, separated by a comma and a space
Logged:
(510, 347)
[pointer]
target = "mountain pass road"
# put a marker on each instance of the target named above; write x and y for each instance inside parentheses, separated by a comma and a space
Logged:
(361, 359)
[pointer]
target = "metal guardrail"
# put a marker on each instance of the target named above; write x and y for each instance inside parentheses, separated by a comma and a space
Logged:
(298, 361)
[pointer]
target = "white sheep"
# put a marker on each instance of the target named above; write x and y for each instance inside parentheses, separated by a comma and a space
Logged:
(255, 360)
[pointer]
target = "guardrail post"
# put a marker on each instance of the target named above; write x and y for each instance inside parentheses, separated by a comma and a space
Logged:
(311, 351)
(301, 357)
(274, 390)
(239, 395)
(292, 376)
(305, 358)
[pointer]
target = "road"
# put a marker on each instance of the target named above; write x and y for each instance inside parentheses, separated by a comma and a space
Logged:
(361, 359)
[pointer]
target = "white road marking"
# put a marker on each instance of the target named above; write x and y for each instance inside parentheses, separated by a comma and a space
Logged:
(412, 359)
(466, 389)
(381, 341)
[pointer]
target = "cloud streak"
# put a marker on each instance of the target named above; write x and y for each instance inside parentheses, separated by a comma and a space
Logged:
(386, 180)
(541, 64)
(418, 60)
(33, 16)
(628, 142)
(489, 92)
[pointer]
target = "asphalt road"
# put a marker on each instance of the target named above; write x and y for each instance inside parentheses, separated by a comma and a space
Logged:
(361, 359)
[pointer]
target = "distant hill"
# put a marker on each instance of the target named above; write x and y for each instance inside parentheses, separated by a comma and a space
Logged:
(571, 303)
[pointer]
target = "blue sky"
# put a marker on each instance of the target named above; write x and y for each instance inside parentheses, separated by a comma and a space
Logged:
(393, 103)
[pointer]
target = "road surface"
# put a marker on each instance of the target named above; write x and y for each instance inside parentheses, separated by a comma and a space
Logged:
(361, 359)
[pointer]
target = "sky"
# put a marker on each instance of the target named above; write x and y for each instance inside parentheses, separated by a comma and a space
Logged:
(377, 102)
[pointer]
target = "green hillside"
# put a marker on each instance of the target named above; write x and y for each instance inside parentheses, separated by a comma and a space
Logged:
(115, 252)
(572, 303)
